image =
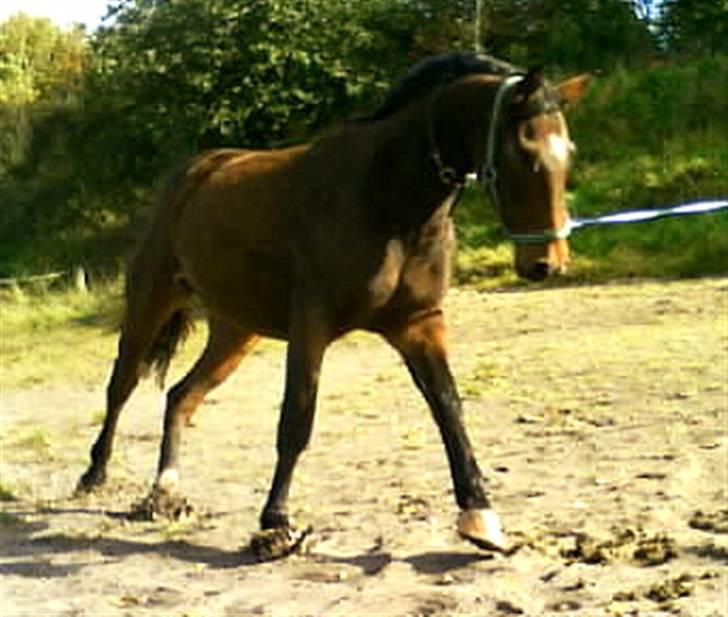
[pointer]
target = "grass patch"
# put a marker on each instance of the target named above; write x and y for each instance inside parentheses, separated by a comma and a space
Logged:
(486, 377)
(6, 494)
(44, 333)
(27, 443)
(49, 336)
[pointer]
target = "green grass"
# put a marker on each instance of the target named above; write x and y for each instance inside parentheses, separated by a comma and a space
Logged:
(45, 333)
(6, 493)
(32, 442)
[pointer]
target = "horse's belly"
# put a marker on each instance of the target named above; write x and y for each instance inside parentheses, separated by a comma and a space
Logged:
(250, 289)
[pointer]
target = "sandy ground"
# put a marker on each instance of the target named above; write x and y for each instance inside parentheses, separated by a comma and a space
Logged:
(599, 415)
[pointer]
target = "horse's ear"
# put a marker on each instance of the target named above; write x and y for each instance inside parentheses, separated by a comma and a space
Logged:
(572, 90)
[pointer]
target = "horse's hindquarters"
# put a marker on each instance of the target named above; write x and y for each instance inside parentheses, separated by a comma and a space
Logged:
(232, 242)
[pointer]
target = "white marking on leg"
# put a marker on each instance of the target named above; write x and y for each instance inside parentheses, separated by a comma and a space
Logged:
(168, 480)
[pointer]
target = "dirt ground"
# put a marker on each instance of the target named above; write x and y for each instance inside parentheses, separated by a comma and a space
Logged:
(599, 415)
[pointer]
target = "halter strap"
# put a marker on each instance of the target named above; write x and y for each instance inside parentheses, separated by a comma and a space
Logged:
(489, 172)
(447, 174)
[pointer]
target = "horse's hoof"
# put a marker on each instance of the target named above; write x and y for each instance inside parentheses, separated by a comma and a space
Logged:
(482, 528)
(278, 542)
(161, 503)
(88, 482)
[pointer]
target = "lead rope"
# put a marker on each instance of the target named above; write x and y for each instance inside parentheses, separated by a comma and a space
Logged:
(652, 214)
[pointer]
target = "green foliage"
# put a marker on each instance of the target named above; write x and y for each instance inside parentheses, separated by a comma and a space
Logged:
(38, 60)
(39, 64)
(645, 108)
(41, 78)
(695, 26)
(569, 34)
(88, 125)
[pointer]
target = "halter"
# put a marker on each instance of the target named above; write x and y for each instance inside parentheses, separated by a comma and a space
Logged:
(489, 175)
(489, 171)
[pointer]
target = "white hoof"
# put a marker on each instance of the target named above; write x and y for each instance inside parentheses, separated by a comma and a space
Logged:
(482, 528)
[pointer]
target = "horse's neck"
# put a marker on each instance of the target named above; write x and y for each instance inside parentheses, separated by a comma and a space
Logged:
(406, 173)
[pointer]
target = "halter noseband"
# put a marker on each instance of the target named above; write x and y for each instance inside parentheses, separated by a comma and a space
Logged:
(489, 172)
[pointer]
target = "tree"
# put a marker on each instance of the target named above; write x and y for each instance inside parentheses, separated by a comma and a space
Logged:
(41, 72)
(40, 65)
(695, 26)
(570, 34)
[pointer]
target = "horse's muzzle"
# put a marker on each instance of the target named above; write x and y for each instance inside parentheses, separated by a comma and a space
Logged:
(540, 270)
(536, 262)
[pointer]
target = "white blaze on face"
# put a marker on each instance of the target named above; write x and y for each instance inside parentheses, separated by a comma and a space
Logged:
(557, 148)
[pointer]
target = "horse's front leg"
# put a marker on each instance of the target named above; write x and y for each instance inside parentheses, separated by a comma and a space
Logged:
(422, 345)
(307, 343)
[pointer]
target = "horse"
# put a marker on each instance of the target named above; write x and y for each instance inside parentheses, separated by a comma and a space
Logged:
(350, 231)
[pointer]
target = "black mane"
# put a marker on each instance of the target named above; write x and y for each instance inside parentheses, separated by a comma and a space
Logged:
(435, 72)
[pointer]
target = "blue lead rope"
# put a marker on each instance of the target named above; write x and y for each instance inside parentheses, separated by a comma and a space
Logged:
(637, 216)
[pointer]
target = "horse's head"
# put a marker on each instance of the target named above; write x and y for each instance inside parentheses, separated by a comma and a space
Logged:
(525, 166)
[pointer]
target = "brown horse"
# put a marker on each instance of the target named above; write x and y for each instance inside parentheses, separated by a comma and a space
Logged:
(351, 231)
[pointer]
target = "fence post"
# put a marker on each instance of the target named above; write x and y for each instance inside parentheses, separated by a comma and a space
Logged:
(80, 280)
(478, 27)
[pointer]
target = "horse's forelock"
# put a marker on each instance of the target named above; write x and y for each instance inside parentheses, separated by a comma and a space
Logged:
(544, 99)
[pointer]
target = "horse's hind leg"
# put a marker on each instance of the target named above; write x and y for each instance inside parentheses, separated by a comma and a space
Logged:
(226, 347)
(308, 340)
(141, 325)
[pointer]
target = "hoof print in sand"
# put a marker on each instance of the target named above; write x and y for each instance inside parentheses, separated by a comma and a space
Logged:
(279, 542)
(625, 545)
(671, 589)
(713, 522)
(160, 503)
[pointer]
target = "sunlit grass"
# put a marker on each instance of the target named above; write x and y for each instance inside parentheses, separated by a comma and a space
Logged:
(44, 334)
(63, 336)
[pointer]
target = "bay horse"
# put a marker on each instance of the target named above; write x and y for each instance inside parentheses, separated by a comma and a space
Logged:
(350, 231)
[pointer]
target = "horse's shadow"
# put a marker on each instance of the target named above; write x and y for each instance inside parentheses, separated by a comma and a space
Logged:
(429, 562)
(41, 547)
(32, 540)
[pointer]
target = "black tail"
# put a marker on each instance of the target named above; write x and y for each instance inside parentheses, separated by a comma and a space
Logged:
(168, 339)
